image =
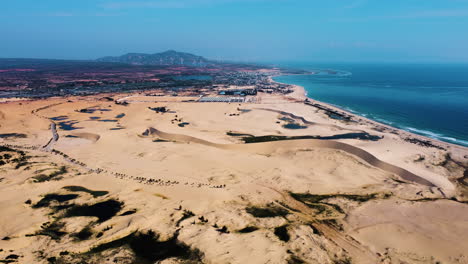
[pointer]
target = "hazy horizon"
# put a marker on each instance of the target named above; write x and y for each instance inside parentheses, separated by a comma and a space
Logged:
(239, 30)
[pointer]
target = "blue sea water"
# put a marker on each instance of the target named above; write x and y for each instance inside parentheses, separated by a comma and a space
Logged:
(430, 100)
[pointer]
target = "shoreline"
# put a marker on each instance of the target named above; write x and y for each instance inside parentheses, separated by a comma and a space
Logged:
(191, 161)
(401, 132)
(299, 94)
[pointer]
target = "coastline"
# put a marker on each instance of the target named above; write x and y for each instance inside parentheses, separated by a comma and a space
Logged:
(300, 93)
(193, 162)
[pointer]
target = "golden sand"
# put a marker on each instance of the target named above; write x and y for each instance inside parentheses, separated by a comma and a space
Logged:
(187, 174)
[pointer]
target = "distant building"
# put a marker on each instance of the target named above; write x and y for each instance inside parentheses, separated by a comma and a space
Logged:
(221, 100)
(243, 92)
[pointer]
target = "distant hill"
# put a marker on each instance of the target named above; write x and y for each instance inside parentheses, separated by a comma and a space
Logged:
(169, 57)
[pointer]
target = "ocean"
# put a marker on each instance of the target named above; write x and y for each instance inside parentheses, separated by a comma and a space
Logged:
(426, 99)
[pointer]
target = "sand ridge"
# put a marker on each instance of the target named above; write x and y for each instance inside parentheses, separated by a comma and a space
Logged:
(268, 147)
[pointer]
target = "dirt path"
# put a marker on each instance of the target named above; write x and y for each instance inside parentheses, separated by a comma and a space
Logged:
(55, 137)
(356, 250)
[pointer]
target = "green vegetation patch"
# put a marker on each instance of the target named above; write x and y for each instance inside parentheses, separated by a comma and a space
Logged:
(4, 148)
(269, 138)
(248, 229)
(12, 258)
(317, 198)
(56, 175)
(295, 260)
(103, 210)
(85, 234)
(183, 124)
(286, 119)
(51, 197)
(282, 233)
(129, 212)
(187, 214)
(294, 126)
(13, 156)
(316, 201)
(332, 223)
(234, 134)
(265, 212)
(149, 249)
(83, 189)
(315, 230)
(160, 140)
(342, 261)
(259, 139)
(13, 135)
(52, 230)
(61, 208)
(320, 208)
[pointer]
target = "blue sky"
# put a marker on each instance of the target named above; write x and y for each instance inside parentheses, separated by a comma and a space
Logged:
(246, 30)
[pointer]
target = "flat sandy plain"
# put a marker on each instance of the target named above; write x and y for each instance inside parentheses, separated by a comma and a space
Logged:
(125, 184)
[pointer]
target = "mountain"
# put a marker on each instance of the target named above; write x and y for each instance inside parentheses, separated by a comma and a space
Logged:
(169, 57)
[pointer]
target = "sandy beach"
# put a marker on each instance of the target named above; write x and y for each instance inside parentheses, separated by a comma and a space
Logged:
(277, 180)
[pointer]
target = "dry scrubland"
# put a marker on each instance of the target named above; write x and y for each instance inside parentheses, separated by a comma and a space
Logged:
(126, 184)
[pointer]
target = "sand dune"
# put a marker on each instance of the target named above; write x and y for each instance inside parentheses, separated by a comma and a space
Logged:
(290, 115)
(401, 218)
(305, 121)
(343, 197)
(270, 147)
